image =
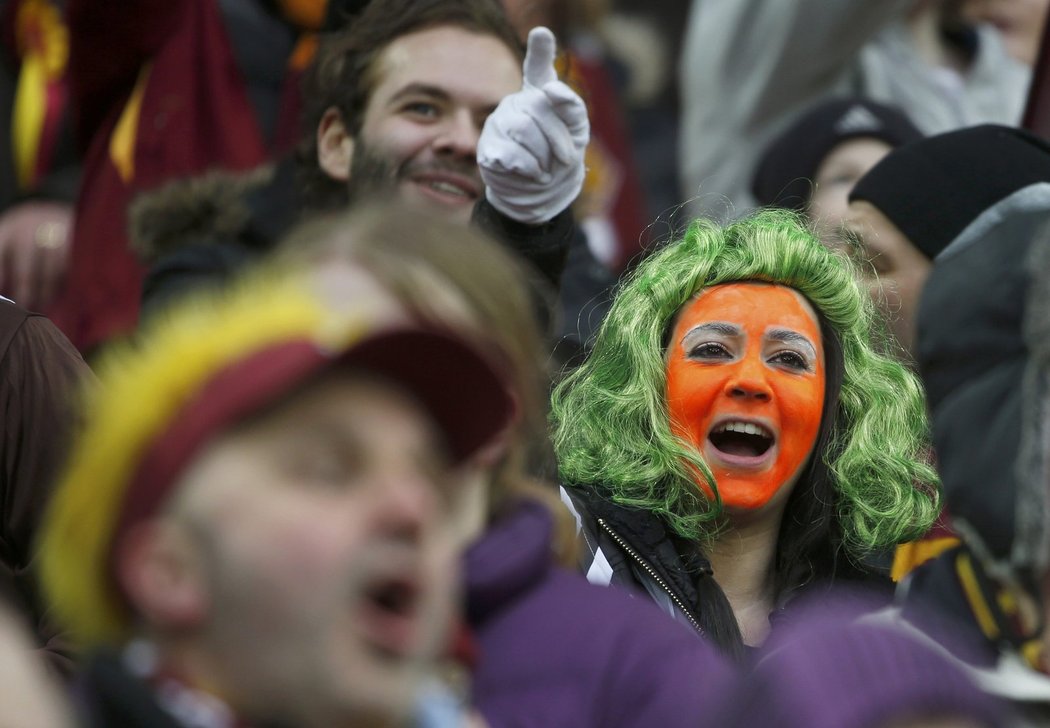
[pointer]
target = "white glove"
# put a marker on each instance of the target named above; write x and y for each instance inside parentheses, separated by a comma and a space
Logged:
(531, 150)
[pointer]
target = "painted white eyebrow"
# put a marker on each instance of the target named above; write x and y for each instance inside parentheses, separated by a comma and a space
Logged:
(715, 327)
(787, 336)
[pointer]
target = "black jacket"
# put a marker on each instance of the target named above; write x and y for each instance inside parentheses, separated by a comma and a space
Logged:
(191, 238)
(633, 548)
(108, 695)
(987, 399)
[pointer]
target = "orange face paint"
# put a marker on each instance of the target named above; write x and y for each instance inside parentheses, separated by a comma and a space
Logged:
(745, 385)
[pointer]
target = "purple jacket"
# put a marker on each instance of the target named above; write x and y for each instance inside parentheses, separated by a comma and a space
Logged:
(557, 651)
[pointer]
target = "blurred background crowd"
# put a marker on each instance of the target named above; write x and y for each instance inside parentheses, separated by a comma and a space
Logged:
(525, 363)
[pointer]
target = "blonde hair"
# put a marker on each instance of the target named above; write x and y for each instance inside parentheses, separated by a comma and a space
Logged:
(452, 276)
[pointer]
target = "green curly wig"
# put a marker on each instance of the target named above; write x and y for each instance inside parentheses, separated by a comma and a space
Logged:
(610, 417)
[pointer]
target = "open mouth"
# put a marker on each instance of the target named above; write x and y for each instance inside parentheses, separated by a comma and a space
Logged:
(741, 439)
(390, 615)
(394, 597)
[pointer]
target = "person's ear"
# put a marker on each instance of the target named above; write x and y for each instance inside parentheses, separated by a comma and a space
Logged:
(160, 570)
(335, 146)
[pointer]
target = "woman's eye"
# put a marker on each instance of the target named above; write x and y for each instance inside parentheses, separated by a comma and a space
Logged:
(790, 359)
(710, 350)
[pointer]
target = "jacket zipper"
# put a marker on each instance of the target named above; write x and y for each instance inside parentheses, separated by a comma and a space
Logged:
(651, 571)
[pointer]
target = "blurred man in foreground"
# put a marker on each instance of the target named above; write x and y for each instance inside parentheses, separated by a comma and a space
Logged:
(268, 542)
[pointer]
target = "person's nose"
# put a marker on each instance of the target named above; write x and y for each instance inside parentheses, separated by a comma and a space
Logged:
(749, 382)
(458, 135)
(406, 505)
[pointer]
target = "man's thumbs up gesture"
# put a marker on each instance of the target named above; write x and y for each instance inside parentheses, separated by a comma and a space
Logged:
(531, 150)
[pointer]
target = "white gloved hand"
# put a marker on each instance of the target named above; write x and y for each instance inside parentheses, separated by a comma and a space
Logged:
(531, 149)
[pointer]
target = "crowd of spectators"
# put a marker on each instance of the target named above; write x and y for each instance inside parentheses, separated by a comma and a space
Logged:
(524, 363)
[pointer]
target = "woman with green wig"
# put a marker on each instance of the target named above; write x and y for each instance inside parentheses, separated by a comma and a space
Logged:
(735, 437)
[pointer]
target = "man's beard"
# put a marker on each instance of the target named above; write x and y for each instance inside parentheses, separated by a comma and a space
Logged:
(374, 176)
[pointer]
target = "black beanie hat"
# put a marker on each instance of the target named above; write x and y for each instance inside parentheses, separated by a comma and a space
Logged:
(933, 188)
(784, 177)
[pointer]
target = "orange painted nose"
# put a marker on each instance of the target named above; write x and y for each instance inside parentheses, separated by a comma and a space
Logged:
(749, 382)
